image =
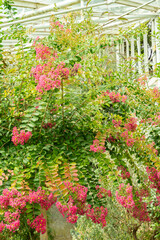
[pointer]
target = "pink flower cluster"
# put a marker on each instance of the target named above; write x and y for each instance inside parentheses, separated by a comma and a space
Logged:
(103, 192)
(10, 217)
(97, 215)
(154, 177)
(77, 205)
(111, 139)
(151, 147)
(21, 138)
(142, 80)
(39, 224)
(45, 201)
(49, 77)
(155, 121)
(48, 125)
(116, 124)
(99, 143)
(97, 146)
(57, 24)
(18, 201)
(128, 138)
(137, 209)
(132, 125)
(46, 84)
(125, 196)
(142, 193)
(70, 210)
(156, 92)
(124, 173)
(12, 220)
(116, 97)
(75, 68)
(42, 52)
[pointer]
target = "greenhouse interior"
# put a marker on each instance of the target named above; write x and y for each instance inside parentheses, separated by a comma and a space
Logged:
(79, 120)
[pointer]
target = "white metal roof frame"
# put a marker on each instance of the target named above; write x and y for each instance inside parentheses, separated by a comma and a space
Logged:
(36, 13)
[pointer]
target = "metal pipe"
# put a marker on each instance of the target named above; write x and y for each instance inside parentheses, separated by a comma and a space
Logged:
(124, 14)
(46, 9)
(137, 16)
(153, 43)
(29, 4)
(145, 43)
(51, 13)
(157, 42)
(137, 4)
(139, 53)
(133, 53)
(117, 56)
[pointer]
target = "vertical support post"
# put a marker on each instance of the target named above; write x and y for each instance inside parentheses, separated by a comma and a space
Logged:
(139, 53)
(153, 44)
(127, 49)
(157, 42)
(127, 56)
(117, 56)
(133, 53)
(122, 48)
(122, 51)
(145, 43)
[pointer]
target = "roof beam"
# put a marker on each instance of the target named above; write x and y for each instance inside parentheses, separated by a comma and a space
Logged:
(47, 15)
(125, 14)
(29, 4)
(126, 18)
(137, 4)
(45, 9)
(121, 23)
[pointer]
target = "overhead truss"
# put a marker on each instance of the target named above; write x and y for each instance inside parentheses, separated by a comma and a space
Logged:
(109, 14)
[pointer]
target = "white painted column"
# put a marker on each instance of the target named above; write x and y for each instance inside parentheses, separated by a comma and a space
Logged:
(154, 60)
(122, 48)
(133, 53)
(117, 56)
(122, 52)
(145, 43)
(127, 56)
(139, 54)
(127, 49)
(157, 43)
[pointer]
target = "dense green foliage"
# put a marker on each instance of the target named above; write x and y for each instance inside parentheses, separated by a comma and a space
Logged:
(78, 112)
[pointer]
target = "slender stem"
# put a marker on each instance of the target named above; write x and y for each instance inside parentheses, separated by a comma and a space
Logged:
(23, 78)
(4, 144)
(44, 115)
(6, 128)
(62, 97)
(135, 231)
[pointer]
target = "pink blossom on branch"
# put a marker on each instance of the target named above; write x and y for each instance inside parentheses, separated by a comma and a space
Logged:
(131, 125)
(115, 97)
(20, 138)
(137, 209)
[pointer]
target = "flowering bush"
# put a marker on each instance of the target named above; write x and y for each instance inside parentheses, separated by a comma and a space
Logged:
(61, 108)
(19, 204)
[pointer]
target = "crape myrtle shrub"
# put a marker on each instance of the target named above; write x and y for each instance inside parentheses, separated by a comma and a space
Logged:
(70, 127)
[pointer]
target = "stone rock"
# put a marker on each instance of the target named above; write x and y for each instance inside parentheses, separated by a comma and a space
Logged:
(58, 227)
